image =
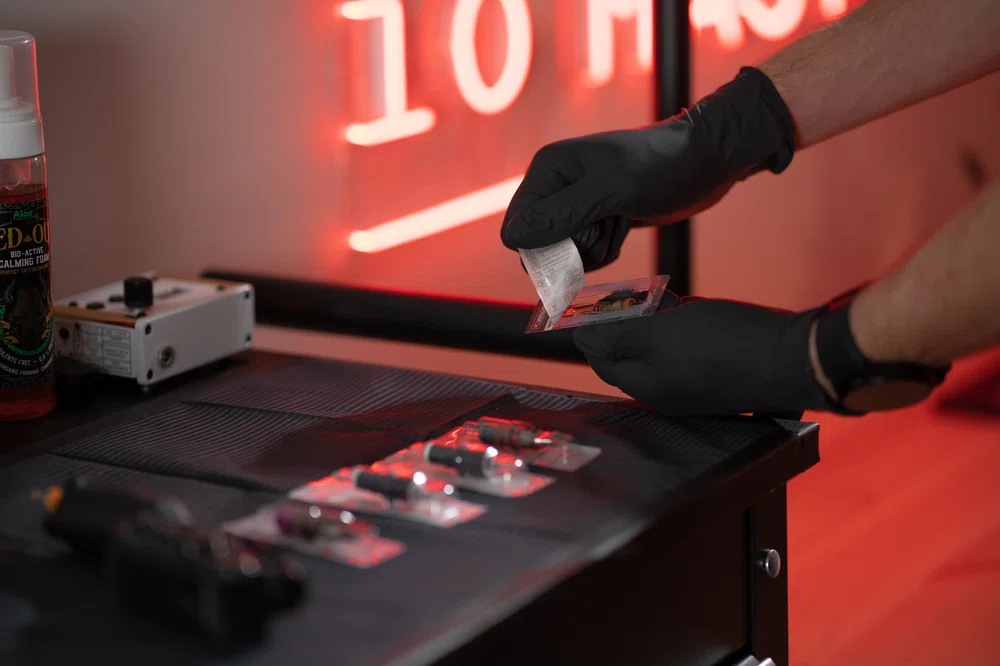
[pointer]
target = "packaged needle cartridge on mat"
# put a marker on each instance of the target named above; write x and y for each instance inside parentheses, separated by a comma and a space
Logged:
(308, 529)
(379, 491)
(558, 276)
(483, 471)
(537, 447)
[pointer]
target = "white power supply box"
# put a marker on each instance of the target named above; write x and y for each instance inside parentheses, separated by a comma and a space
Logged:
(150, 328)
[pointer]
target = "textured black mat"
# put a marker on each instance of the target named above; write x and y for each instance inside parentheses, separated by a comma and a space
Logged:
(376, 397)
(239, 444)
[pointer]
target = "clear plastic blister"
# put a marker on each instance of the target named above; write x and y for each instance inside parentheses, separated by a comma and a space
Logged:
(379, 491)
(537, 447)
(332, 534)
(485, 470)
(601, 303)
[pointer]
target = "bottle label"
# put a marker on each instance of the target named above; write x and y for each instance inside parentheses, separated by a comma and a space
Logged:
(26, 318)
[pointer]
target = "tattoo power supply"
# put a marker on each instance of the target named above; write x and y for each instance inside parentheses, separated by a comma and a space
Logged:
(150, 328)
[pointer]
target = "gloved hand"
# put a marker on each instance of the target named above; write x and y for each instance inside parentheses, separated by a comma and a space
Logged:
(705, 357)
(591, 188)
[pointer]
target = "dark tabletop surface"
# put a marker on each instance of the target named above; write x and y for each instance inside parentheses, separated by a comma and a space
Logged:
(245, 433)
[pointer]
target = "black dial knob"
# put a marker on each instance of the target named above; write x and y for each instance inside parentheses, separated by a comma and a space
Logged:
(138, 293)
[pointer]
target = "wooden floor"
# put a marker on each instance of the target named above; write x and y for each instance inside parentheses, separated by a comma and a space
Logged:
(894, 541)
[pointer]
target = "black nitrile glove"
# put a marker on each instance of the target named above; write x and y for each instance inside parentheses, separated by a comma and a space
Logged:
(591, 188)
(705, 357)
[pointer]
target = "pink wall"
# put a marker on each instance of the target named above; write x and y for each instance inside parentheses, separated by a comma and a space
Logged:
(188, 133)
(845, 210)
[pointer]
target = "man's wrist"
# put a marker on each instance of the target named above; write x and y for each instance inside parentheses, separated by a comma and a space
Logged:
(867, 322)
(878, 325)
(817, 368)
(853, 382)
(783, 126)
(833, 355)
(749, 124)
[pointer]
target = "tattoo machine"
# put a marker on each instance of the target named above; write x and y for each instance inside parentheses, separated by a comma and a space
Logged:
(156, 558)
(85, 512)
(224, 586)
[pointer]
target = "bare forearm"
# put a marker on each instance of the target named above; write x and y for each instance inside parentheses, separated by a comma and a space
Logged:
(944, 302)
(884, 56)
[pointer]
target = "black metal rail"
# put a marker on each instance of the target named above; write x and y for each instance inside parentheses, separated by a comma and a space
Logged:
(672, 74)
(444, 322)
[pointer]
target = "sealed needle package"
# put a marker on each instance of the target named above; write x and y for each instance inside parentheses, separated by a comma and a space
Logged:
(379, 491)
(309, 529)
(537, 447)
(565, 300)
(482, 470)
(601, 303)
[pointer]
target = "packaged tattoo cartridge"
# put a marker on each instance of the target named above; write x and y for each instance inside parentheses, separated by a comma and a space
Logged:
(378, 491)
(481, 469)
(537, 447)
(309, 529)
(565, 302)
(601, 303)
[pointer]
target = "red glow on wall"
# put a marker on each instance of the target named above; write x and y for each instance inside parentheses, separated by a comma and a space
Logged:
(448, 215)
(602, 62)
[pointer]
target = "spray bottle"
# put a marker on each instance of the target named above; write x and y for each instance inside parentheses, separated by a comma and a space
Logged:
(27, 374)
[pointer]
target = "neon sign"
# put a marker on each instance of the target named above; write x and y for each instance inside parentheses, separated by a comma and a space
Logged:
(601, 36)
(773, 20)
(483, 98)
(397, 120)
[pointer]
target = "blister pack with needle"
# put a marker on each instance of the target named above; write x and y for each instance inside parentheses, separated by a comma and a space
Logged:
(566, 301)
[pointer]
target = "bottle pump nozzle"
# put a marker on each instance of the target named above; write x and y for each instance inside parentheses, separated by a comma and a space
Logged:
(20, 122)
(8, 95)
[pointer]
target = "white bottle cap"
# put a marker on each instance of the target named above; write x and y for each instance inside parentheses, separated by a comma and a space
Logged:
(20, 119)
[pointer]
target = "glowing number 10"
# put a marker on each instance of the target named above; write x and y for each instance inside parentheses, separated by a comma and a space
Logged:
(398, 121)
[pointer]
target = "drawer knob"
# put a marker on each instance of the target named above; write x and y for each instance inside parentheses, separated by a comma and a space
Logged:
(769, 561)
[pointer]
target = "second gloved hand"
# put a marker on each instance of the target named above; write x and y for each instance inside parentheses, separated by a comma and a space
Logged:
(592, 188)
(705, 357)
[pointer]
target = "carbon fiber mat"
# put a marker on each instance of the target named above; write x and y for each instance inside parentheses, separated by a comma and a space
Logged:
(236, 446)
(406, 401)
(688, 443)
(282, 428)
(228, 452)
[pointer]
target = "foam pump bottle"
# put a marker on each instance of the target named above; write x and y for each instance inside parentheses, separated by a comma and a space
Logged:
(27, 373)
